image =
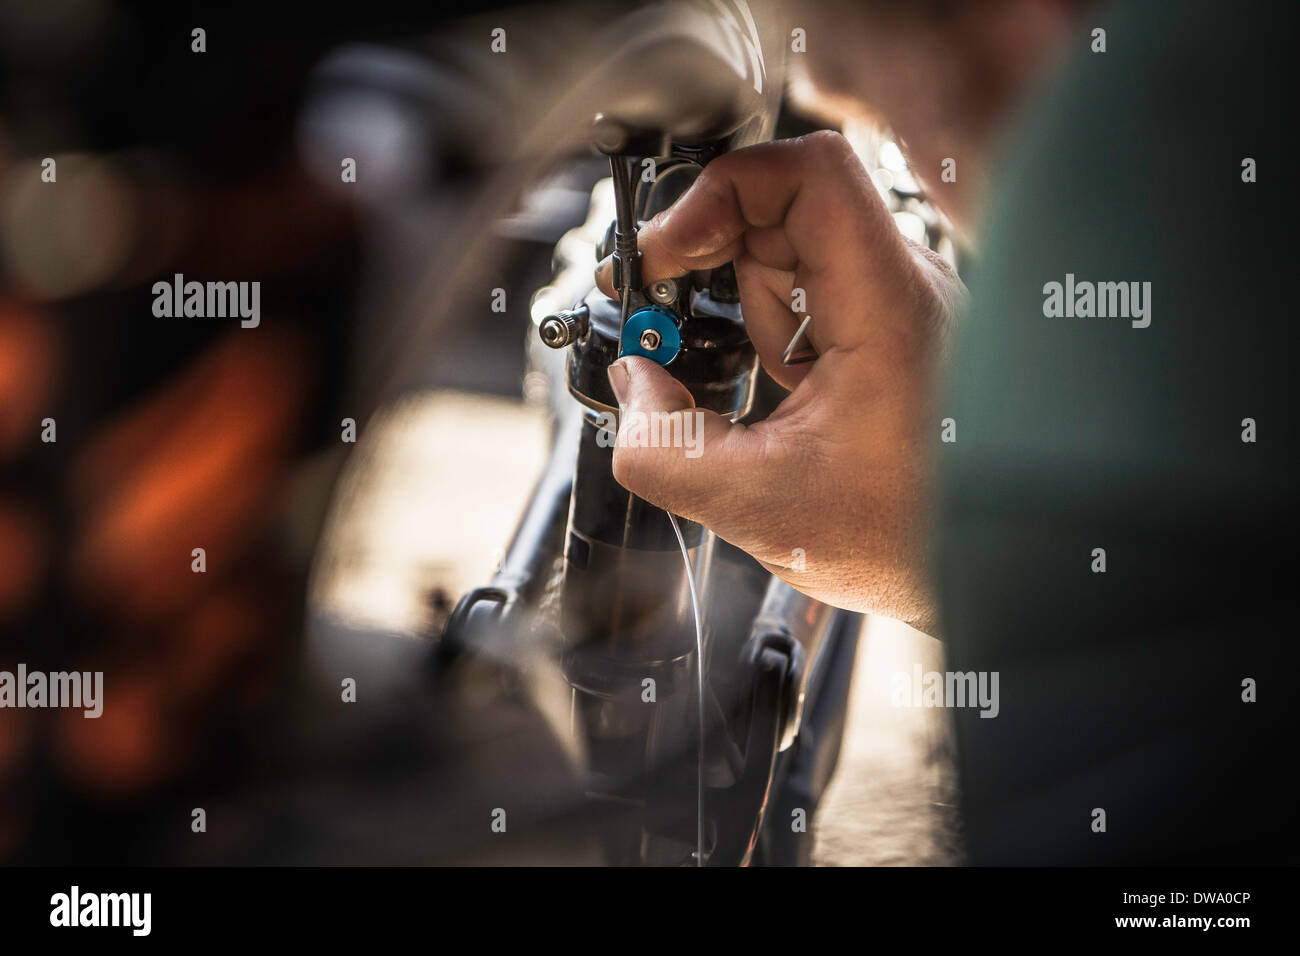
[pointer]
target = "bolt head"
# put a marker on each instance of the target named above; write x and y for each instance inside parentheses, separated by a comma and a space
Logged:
(663, 292)
(554, 332)
(608, 135)
(650, 340)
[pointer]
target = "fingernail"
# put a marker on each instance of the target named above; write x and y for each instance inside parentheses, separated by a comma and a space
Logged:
(605, 272)
(618, 381)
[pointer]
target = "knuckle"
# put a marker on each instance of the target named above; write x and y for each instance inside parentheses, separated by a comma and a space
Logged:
(826, 144)
(712, 188)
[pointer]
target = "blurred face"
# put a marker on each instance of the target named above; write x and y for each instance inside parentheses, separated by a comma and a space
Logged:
(942, 74)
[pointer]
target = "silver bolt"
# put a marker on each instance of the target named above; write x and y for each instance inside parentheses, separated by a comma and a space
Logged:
(563, 328)
(650, 340)
(553, 332)
(663, 292)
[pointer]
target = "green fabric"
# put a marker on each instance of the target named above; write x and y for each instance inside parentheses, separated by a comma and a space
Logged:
(1122, 690)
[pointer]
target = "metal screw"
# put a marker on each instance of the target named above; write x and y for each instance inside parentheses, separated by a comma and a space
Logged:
(563, 328)
(663, 292)
(553, 332)
(650, 340)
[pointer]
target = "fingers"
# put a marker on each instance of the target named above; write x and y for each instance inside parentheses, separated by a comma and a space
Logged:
(752, 189)
(674, 455)
(770, 247)
(805, 203)
(797, 186)
(769, 319)
(805, 206)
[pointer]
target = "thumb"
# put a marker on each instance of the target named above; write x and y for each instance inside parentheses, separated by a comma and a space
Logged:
(668, 452)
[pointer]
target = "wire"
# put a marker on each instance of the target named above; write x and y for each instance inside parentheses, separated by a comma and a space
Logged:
(699, 680)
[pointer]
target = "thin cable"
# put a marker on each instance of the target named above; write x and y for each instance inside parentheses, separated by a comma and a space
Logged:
(699, 680)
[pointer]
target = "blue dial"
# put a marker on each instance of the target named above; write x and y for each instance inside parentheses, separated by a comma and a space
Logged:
(651, 326)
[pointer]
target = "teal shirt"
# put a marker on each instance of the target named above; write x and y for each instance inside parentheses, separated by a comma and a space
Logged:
(1121, 689)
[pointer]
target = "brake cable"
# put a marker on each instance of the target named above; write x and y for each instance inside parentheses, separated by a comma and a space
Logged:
(699, 688)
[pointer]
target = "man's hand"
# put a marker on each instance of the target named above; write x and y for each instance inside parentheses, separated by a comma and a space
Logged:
(830, 492)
